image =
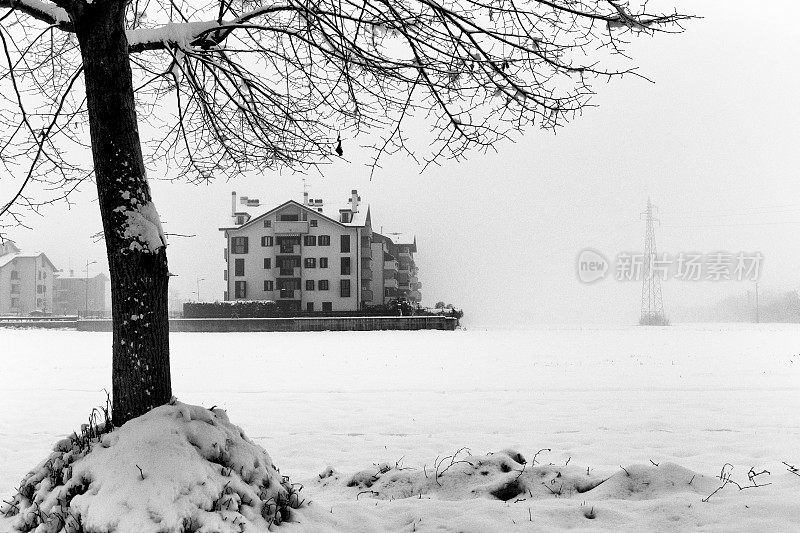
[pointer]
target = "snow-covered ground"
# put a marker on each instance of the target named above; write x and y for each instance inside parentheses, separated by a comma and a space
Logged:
(688, 398)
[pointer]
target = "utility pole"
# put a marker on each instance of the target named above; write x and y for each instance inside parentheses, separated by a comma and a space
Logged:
(652, 302)
(198, 287)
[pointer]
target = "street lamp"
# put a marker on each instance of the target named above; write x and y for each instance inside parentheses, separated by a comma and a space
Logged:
(86, 287)
(198, 287)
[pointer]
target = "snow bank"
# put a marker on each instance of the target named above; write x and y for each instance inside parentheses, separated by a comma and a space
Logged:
(507, 476)
(177, 468)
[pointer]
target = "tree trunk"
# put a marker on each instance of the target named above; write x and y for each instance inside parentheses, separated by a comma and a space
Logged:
(139, 274)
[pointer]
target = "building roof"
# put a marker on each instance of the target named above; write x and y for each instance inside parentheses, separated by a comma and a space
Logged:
(359, 219)
(8, 258)
(72, 276)
(400, 239)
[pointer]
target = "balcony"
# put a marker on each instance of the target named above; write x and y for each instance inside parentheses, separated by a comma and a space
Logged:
(366, 295)
(289, 272)
(390, 283)
(366, 273)
(294, 227)
(288, 249)
(403, 278)
(287, 294)
(416, 285)
(391, 265)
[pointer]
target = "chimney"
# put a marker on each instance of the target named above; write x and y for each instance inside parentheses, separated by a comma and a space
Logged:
(233, 204)
(71, 273)
(354, 198)
(305, 198)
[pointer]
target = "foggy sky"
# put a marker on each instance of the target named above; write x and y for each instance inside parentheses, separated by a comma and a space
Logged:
(713, 142)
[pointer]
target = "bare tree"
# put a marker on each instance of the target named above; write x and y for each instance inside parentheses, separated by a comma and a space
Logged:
(228, 86)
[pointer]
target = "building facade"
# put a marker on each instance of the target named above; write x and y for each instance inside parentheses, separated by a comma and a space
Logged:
(26, 281)
(80, 295)
(303, 259)
(400, 278)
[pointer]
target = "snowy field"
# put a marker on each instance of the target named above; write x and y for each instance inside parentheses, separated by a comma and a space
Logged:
(605, 402)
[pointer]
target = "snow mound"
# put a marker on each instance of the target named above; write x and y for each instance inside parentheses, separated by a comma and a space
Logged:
(507, 476)
(178, 468)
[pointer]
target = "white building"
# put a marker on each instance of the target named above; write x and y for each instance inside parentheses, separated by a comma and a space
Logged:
(26, 281)
(305, 260)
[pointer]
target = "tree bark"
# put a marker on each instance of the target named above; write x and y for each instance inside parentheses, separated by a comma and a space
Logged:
(139, 275)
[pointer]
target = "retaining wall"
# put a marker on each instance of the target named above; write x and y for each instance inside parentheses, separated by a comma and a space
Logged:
(293, 324)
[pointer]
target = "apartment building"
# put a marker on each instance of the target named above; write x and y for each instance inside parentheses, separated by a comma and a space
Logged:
(82, 296)
(26, 281)
(399, 269)
(304, 259)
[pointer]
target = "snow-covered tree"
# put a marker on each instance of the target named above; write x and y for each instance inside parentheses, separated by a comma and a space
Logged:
(228, 86)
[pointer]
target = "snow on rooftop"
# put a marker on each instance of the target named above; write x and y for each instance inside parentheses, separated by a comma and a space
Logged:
(7, 258)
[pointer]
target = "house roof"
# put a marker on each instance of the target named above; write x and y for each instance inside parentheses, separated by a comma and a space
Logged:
(8, 258)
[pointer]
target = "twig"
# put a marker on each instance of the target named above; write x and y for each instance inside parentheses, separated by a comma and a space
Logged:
(533, 461)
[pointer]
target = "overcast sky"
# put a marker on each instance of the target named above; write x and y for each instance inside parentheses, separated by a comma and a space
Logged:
(713, 142)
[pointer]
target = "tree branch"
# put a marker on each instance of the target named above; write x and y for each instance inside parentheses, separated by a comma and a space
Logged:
(44, 11)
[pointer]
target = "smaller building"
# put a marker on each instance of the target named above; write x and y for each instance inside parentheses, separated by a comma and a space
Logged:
(80, 296)
(26, 281)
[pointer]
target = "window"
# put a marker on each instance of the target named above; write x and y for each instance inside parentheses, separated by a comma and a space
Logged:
(267, 223)
(387, 292)
(14, 274)
(267, 262)
(324, 240)
(313, 222)
(269, 285)
(238, 245)
(38, 289)
(322, 285)
(290, 218)
(310, 240)
(238, 267)
(305, 216)
(14, 303)
(239, 220)
(38, 302)
(15, 288)
(345, 240)
(241, 289)
(310, 262)
(327, 306)
(310, 306)
(323, 262)
(309, 284)
(266, 241)
(225, 275)
(345, 266)
(344, 288)
(40, 274)
(44, 274)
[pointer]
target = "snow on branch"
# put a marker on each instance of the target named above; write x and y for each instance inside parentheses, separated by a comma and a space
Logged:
(44, 11)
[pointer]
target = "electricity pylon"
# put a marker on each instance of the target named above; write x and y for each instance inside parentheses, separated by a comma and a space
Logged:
(652, 301)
